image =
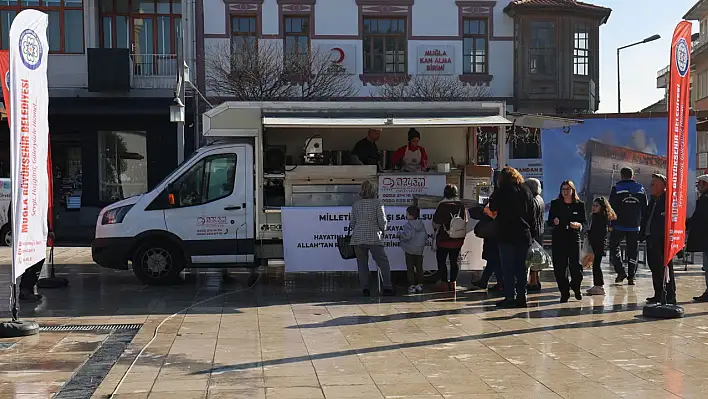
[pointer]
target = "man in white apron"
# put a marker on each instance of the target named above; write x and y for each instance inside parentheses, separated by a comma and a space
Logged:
(411, 157)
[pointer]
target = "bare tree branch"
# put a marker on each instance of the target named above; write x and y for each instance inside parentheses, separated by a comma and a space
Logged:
(434, 87)
(264, 72)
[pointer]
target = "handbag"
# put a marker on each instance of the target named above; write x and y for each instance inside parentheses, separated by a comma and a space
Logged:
(487, 228)
(346, 250)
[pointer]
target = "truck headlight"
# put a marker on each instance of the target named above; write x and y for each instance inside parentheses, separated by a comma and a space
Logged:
(115, 215)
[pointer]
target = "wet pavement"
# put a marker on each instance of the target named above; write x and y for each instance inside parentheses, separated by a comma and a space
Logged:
(313, 337)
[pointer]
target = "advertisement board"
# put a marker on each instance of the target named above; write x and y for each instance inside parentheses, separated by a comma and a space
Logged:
(593, 153)
(310, 240)
(399, 189)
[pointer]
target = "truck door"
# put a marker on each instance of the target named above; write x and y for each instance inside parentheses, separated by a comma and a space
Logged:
(210, 207)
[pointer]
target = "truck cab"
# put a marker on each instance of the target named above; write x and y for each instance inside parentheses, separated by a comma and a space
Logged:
(201, 215)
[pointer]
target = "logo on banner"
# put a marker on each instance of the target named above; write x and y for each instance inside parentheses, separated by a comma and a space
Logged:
(7, 80)
(30, 49)
(682, 55)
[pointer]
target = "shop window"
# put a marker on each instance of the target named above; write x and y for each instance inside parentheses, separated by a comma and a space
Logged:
(150, 29)
(296, 41)
(384, 45)
(581, 50)
(209, 180)
(702, 85)
(66, 23)
(122, 170)
(542, 53)
(475, 43)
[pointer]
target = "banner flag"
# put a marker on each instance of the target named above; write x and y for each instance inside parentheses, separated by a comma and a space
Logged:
(5, 76)
(677, 144)
(29, 136)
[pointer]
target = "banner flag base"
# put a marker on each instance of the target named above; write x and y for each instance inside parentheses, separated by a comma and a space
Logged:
(52, 281)
(18, 328)
(662, 311)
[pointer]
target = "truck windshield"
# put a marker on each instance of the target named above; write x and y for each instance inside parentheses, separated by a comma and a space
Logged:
(178, 166)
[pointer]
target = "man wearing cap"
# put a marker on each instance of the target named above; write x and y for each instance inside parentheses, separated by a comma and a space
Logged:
(653, 231)
(411, 157)
(697, 226)
(629, 200)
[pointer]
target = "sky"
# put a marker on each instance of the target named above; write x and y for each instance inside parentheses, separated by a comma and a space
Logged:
(632, 21)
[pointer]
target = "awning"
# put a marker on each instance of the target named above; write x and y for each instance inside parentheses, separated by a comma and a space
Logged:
(541, 121)
(273, 121)
(269, 121)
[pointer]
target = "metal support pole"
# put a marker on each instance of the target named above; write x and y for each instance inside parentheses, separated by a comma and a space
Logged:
(619, 87)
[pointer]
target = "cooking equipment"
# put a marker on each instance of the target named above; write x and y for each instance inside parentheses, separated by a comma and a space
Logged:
(385, 159)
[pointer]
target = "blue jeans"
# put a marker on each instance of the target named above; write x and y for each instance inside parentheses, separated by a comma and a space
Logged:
(705, 268)
(513, 264)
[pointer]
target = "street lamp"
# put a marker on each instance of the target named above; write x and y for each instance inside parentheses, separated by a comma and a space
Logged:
(619, 96)
(177, 111)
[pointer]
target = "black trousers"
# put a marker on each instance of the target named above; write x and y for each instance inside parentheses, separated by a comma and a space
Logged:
(566, 255)
(631, 238)
(598, 249)
(31, 276)
(655, 259)
(442, 254)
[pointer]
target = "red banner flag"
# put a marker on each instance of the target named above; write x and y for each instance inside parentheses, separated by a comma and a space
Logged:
(677, 145)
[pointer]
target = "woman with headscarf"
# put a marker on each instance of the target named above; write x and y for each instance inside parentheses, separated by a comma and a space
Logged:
(537, 228)
(411, 157)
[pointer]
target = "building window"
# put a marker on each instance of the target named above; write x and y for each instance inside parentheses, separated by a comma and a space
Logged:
(66, 23)
(702, 85)
(542, 53)
(296, 37)
(581, 50)
(143, 26)
(475, 42)
(385, 43)
(243, 34)
(122, 167)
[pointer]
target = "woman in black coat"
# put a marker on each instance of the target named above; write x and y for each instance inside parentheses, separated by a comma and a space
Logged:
(567, 218)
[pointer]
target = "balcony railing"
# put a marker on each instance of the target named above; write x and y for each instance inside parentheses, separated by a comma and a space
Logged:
(153, 71)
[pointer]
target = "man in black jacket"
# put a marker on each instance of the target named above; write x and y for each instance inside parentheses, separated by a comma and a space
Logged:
(697, 226)
(653, 231)
(629, 200)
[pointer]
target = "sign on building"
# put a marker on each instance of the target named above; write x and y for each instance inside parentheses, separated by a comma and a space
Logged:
(438, 60)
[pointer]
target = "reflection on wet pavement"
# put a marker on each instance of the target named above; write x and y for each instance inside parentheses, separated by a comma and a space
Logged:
(311, 336)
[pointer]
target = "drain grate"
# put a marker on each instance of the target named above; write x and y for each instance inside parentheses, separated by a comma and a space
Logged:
(91, 327)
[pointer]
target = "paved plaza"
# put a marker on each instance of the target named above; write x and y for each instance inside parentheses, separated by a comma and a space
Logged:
(313, 337)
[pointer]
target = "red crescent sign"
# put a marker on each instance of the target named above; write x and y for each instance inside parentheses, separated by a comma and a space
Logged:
(341, 55)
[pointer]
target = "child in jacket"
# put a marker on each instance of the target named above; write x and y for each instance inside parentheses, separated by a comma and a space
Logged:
(413, 238)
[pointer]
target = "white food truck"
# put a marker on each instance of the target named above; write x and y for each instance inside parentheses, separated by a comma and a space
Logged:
(276, 183)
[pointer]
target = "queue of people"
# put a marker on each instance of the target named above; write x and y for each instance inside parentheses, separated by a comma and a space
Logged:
(516, 210)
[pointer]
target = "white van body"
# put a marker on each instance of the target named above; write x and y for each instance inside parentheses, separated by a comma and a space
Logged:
(160, 238)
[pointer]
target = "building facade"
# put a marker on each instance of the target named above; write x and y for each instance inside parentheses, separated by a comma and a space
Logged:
(112, 70)
(538, 55)
(699, 87)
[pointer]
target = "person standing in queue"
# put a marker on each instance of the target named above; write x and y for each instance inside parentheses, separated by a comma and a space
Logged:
(629, 200)
(537, 228)
(511, 205)
(602, 215)
(411, 157)
(449, 222)
(567, 218)
(365, 151)
(653, 232)
(697, 226)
